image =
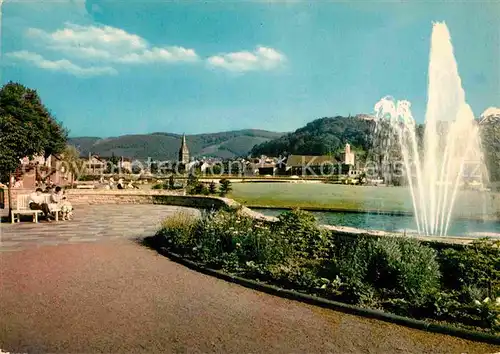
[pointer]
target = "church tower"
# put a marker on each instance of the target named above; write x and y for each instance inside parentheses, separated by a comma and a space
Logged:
(348, 155)
(183, 151)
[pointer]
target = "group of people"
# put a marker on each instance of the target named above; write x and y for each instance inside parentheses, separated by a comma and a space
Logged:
(119, 185)
(57, 200)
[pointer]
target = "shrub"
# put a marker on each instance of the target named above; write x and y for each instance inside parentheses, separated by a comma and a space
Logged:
(488, 312)
(228, 232)
(224, 239)
(406, 267)
(212, 188)
(203, 189)
(192, 184)
(352, 261)
(178, 232)
(225, 187)
(86, 178)
(397, 267)
(301, 230)
(475, 266)
(301, 274)
(261, 245)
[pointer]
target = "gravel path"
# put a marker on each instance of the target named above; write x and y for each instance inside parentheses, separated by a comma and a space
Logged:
(118, 297)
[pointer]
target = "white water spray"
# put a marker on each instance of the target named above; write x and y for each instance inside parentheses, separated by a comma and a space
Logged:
(435, 170)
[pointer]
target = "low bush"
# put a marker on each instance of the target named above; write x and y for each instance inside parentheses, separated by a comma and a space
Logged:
(475, 266)
(177, 232)
(396, 274)
(88, 178)
(302, 233)
(405, 269)
(224, 237)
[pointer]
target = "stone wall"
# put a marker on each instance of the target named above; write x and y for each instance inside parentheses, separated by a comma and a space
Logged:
(199, 202)
(91, 197)
(77, 197)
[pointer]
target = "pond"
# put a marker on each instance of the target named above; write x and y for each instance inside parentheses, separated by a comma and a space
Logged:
(397, 223)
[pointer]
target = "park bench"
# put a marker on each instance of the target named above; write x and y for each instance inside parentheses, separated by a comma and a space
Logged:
(85, 186)
(23, 208)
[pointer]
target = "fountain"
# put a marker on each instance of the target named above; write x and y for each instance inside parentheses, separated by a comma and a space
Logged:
(435, 163)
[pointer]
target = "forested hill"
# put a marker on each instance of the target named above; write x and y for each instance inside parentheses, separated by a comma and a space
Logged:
(165, 146)
(324, 136)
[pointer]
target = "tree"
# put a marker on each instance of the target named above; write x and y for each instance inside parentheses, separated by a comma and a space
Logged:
(192, 184)
(153, 167)
(192, 180)
(136, 169)
(212, 188)
(72, 162)
(171, 182)
(112, 163)
(225, 187)
(27, 128)
(200, 188)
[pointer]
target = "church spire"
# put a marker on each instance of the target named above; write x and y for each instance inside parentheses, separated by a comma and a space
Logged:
(183, 151)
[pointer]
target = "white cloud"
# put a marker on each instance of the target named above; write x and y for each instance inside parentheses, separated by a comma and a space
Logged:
(262, 58)
(89, 50)
(110, 44)
(63, 65)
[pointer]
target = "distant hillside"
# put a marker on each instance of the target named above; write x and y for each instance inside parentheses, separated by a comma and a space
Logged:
(165, 146)
(323, 136)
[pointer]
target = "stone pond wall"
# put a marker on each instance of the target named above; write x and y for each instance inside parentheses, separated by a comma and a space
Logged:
(91, 197)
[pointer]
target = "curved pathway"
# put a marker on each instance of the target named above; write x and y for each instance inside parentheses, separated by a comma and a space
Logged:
(115, 296)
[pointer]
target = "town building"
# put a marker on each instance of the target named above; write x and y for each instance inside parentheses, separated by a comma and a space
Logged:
(50, 170)
(125, 164)
(308, 165)
(94, 165)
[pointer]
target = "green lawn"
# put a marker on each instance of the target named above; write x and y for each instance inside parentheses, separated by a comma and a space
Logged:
(342, 197)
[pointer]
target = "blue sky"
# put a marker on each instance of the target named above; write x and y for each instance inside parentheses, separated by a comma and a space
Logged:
(107, 68)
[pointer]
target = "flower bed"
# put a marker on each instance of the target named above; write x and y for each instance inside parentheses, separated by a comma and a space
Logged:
(435, 282)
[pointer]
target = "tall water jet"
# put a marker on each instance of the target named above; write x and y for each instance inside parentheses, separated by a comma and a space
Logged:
(435, 162)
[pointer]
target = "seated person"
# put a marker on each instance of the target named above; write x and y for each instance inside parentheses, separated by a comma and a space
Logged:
(66, 208)
(37, 202)
(61, 201)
